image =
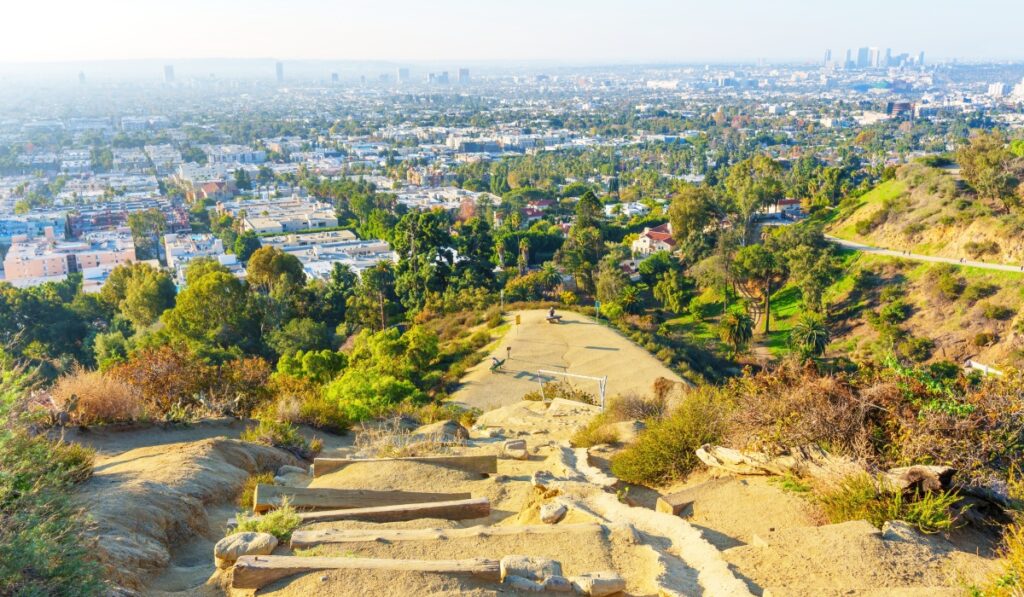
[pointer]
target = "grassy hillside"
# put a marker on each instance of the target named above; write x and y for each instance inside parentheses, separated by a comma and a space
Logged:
(927, 311)
(929, 211)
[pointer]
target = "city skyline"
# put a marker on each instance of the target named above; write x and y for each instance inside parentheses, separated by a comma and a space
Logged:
(572, 31)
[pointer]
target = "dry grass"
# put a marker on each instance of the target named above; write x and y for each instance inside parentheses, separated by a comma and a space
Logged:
(92, 398)
(391, 439)
(245, 499)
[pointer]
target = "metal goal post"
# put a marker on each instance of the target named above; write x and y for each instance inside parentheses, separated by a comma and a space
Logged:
(602, 382)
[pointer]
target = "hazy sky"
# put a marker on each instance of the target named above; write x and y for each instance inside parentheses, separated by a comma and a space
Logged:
(481, 30)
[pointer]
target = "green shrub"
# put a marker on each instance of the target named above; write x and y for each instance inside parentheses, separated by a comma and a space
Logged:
(595, 433)
(997, 312)
(979, 290)
(976, 249)
(279, 522)
(950, 286)
(913, 228)
(984, 339)
(665, 451)
(43, 549)
(858, 498)
(245, 499)
(916, 349)
(280, 434)
(895, 312)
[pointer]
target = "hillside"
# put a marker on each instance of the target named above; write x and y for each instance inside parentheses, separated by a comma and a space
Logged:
(930, 211)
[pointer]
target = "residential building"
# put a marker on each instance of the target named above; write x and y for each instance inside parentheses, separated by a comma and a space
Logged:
(652, 240)
(33, 261)
(269, 216)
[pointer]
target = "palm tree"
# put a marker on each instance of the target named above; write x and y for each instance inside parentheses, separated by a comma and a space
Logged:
(810, 335)
(737, 330)
(550, 275)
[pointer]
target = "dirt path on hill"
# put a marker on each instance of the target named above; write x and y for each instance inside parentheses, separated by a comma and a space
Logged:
(578, 345)
(856, 246)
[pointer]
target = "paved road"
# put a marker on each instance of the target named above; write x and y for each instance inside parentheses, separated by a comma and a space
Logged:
(577, 345)
(849, 244)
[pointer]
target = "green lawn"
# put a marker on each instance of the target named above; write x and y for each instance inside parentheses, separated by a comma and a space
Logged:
(886, 191)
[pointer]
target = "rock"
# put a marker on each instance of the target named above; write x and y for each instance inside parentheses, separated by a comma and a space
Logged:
(541, 479)
(515, 448)
(809, 461)
(552, 512)
(919, 477)
(232, 547)
(900, 531)
(557, 584)
(519, 583)
(529, 567)
(500, 478)
(447, 431)
(291, 470)
(598, 584)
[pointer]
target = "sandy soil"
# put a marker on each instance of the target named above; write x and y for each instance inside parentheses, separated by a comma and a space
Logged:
(577, 345)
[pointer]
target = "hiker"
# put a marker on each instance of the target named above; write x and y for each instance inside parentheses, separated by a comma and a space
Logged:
(551, 313)
(495, 363)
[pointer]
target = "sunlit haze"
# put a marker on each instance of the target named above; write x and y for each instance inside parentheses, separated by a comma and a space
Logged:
(549, 30)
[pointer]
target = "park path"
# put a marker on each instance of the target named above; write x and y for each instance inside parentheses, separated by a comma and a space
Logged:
(578, 345)
(849, 244)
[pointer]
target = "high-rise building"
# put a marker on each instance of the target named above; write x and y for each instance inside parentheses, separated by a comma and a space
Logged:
(997, 89)
(280, 72)
(463, 76)
(81, 77)
(887, 60)
(334, 77)
(849, 58)
(402, 75)
(874, 57)
(828, 57)
(168, 73)
(863, 57)
(920, 58)
(443, 78)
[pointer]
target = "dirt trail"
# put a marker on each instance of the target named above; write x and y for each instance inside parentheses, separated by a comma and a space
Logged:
(578, 345)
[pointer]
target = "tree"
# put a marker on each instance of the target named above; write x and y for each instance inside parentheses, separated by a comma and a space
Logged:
(213, 311)
(339, 287)
(985, 164)
(758, 266)
(270, 266)
(737, 330)
(299, 334)
(423, 242)
(199, 267)
(146, 227)
(669, 291)
(140, 292)
(585, 242)
(753, 184)
(475, 268)
(246, 244)
(810, 335)
(611, 281)
(242, 180)
(691, 212)
(375, 297)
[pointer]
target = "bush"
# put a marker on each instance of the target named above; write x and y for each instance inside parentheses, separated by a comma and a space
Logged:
(280, 434)
(665, 451)
(561, 389)
(984, 339)
(979, 290)
(245, 499)
(595, 433)
(300, 402)
(279, 522)
(976, 249)
(568, 297)
(950, 286)
(916, 349)
(92, 398)
(997, 312)
(629, 407)
(895, 312)
(43, 547)
(913, 229)
(858, 498)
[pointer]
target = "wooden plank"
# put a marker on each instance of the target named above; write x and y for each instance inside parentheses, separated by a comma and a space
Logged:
(255, 572)
(484, 464)
(453, 510)
(268, 497)
(302, 539)
(680, 502)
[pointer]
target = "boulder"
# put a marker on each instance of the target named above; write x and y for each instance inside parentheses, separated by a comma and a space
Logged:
(529, 567)
(518, 583)
(557, 584)
(541, 479)
(920, 478)
(447, 431)
(291, 470)
(515, 448)
(552, 512)
(598, 584)
(232, 547)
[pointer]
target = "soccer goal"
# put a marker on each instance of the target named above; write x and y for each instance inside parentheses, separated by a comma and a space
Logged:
(602, 382)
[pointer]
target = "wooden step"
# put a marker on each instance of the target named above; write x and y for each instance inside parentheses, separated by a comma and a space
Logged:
(254, 572)
(453, 510)
(302, 539)
(268, 497)
(484, 464)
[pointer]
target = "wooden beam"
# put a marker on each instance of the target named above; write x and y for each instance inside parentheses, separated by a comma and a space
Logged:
(268, 497)
(453, 510)
(302, 539)
(484, 464)
(255, 572)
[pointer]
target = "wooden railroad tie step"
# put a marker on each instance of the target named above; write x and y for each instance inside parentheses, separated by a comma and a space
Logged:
(453, 510)
(486, 464)
(304, 539)
(254, 572)
(268, 497)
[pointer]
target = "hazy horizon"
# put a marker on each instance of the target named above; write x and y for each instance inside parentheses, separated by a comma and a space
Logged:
(566, 31)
